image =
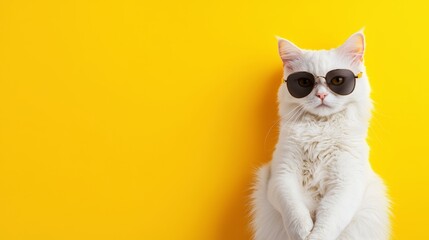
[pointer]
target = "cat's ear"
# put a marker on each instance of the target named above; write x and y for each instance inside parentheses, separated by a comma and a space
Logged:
(288, 51)
(354, 47)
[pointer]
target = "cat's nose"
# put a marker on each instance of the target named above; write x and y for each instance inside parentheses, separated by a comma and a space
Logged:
(321, 95)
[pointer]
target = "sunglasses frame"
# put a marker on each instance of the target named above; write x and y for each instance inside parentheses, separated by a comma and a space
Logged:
(359, 75)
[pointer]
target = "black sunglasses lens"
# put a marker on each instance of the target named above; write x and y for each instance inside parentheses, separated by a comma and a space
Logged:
(300, 84)
(341, 81)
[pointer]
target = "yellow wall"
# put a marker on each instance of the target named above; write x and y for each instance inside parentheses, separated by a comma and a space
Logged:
(146, 119)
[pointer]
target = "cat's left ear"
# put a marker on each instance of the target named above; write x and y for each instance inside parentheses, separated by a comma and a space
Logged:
(289, 52)
(354, 47)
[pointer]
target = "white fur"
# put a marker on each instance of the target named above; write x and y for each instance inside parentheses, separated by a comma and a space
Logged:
(319, 184)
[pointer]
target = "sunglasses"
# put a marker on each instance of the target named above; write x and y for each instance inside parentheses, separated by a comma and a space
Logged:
(339, 81)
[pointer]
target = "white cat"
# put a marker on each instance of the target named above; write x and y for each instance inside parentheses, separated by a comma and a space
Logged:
(319, 184)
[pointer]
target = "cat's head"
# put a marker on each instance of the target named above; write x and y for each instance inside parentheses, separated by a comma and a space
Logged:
(322, 101)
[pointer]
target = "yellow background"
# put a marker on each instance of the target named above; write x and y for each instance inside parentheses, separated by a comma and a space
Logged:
(146, 119)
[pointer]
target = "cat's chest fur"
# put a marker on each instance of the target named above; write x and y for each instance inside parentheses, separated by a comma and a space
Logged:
(318, 143)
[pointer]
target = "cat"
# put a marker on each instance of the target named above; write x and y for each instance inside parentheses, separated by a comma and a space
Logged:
(320, 184)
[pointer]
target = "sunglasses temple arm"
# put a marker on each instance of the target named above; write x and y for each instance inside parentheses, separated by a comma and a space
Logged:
(359, 75)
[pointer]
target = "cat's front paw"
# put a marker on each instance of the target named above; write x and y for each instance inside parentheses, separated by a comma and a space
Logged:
(317, 235)
(314, 237)
(303, 228)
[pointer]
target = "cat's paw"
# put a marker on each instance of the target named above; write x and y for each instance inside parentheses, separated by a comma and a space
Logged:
(314, 237)
(317, 235)
(303, 228)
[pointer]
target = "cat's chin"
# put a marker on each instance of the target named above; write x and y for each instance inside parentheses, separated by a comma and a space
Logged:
(323, 110)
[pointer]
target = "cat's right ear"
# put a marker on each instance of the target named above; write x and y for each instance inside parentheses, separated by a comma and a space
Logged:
(288, 51)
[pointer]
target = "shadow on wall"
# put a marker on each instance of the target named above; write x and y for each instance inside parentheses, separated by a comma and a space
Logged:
(235, 220)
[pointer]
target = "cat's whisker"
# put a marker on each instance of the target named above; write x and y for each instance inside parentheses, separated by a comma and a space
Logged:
(291, 117)
(296, 116)
(280, 118)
